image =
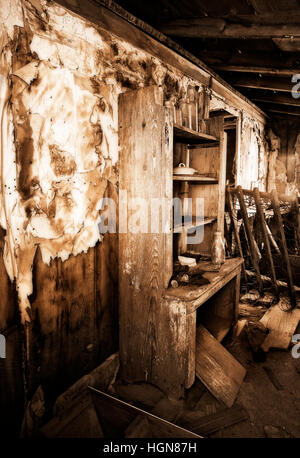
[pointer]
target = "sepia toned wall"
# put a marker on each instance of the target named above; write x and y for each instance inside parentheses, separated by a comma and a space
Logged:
(60, 80)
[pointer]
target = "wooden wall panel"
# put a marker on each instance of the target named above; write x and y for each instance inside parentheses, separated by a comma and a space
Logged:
(74, 325)
(9, 301)
(11, 376)
(75, 320)
(141, 255)
(11, 384)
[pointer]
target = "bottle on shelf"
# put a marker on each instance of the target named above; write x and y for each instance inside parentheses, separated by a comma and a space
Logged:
(218, 249)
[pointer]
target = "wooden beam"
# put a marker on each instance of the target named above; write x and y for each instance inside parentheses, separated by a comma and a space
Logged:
(110, 17)
(233, 218)
(251, 240)
(247, 57)
(207, 27)
(262, 221)
(280, 99)
(277, 214)
(288, 44)
(281, 109)
(267, 83)
(256, 69)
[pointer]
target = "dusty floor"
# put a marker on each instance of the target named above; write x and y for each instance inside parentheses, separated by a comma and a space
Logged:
(267, 406)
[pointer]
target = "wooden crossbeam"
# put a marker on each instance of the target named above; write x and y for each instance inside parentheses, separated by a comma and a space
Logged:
(277, 214)
(283, 84)
(208, 27)
(262, 222)
(280, 109)
(256, 69)
(279, 99)
(250, 238)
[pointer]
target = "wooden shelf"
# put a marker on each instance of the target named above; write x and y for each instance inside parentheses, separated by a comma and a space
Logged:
(193, 225)
(194, 178)
(185, 135)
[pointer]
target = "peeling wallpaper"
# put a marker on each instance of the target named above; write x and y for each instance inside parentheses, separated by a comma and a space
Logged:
(253, 161)
(60, 79)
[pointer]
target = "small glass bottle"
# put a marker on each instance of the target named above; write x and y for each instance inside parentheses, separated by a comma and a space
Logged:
(218, 249)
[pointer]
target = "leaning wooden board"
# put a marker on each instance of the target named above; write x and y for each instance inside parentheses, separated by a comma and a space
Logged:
(116, 416)
(282, 325)
(217, 369)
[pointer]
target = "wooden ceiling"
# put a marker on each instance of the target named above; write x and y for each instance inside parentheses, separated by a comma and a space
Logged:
(253, 44)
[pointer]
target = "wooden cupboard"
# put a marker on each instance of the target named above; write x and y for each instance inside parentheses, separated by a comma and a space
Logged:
(157, 326)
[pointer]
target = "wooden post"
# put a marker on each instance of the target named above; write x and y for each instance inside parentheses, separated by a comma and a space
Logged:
(297, 223)
(250, 238)
(277, 214)
(222, 181)
(237, 297)
(262, 221)
(236, 230)
(152, 331)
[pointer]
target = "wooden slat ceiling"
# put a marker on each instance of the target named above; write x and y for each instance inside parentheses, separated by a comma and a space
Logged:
(253, 44)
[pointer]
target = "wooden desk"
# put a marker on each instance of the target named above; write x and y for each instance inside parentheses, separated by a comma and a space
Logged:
(220, 298)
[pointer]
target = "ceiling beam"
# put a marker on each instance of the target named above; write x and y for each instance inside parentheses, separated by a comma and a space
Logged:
(219, 28)
(281, 109)
(249, 58)
(280, 99)
(257, 69)
(267, 83)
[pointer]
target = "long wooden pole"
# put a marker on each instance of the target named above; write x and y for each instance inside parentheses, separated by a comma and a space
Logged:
(277, 214)
(236, 230)
(263, 225)
(253, 252)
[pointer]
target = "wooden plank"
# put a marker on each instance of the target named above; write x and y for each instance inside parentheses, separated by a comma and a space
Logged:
(105, 404)
(282, 325)
(12, 396)
(191, 348)
(141, 255)
(152, 334)
(208, 27)
(268, 279)
(217, 369)
(233, 218)
(256, 69)
(195, 296)
(237, 297)
(167, 165)
(224, 418)
(218, 313)
(195, 178)
(262, 221)
(279, 99)
(184, 134)
(222, 181)
(250, 238)
(281, 109)
(193, 224)
(277, 214)
(265, 195)
(267, 83)
(77, 422)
